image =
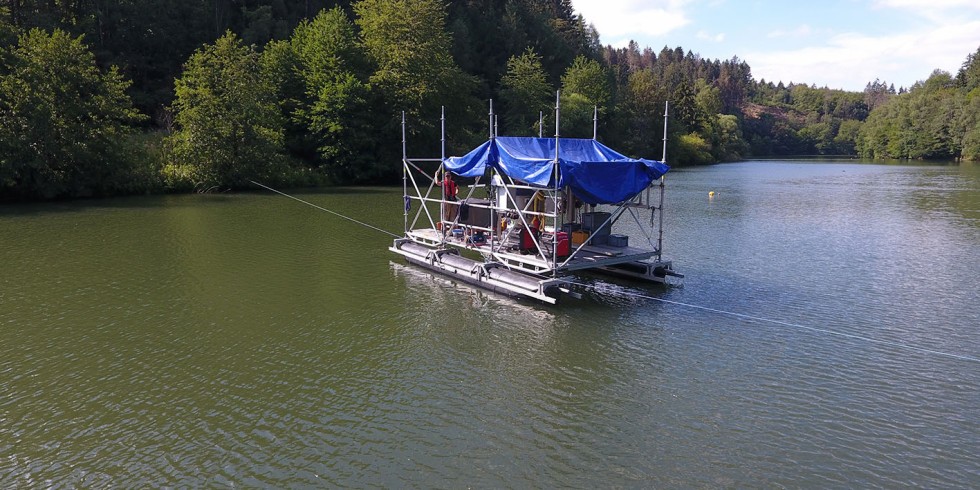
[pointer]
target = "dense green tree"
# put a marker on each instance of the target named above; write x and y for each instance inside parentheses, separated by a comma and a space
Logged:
(938, 118)
(229, 128)
(846, 138)
(808, 100)
(8, 32)
(802, 119)
(330, 93)
(968, 124)
(150, 39)
(849, 105)
(707, 97)
(415, 72)
(586, 87)
(691, 149)
(63, 121)
(685, 109)
(817, 137)
(333, 111)
(644, 102)
(487, 33)
(969, 74)
(577, 117)
(920, 124)
(728, 143)
(408, 41)
(525, 93)
(589, 79)
(282, 65)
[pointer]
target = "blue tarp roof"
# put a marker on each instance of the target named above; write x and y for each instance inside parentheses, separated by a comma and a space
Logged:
(596, 173)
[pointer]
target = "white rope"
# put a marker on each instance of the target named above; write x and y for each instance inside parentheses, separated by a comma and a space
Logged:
(348, 218)
(795, 325)
(687, 305)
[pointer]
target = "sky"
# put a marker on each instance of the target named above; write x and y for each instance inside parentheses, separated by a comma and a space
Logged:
(840, 44)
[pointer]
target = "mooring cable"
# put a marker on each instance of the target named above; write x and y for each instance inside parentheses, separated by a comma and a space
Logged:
(793, 325)
(321, 208)
(679, 303)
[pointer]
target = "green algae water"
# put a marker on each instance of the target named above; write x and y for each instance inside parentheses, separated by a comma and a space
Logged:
(249, 340)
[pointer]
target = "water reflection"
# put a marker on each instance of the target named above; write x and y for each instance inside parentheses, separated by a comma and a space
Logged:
(552, 370)
(441, 289)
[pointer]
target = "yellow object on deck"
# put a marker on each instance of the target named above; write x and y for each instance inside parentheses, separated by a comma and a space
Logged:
(579, 237)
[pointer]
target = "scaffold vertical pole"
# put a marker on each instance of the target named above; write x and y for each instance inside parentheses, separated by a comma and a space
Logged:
(442, 169)
(554, 232)
(595, 122)
(405, 171)
(660, 208)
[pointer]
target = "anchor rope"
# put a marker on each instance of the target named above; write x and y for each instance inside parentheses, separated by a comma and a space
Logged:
(321, 208)
(743, 316)
(793, 325)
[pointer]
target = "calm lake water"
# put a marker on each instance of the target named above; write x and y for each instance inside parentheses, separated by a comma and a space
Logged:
(249, 340)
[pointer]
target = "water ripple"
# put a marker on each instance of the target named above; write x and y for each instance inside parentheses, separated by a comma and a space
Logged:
(211, 341)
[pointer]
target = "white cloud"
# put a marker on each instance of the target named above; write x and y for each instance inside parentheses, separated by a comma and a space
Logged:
(936, 11)
(711, 37)
(940, 34)
(620, 21)
(851, 59)
(929, 4)
(800, 32)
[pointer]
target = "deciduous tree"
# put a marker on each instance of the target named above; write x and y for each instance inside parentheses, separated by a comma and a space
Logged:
(229, 128)
(63, 121)
(525, 92)
(585, 86)
(333, 112)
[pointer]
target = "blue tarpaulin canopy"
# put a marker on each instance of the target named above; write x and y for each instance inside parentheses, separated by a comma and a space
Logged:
(595, 173)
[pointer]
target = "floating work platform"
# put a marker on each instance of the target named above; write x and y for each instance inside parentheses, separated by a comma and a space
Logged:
(517, 282)
(536, 211)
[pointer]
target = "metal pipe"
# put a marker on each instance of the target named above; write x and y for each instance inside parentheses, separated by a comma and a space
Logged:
(666, 107)
(491, 119)
(595, 122)
(660, 239)
(554, 233)
(442, 185)
(405, 174)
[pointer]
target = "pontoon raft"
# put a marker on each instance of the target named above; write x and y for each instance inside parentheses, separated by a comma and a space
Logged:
(536, 211)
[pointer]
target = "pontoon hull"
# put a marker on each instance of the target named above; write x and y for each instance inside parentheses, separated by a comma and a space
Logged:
(492, 277)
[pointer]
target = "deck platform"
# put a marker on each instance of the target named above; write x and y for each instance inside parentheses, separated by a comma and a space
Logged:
(584, 257)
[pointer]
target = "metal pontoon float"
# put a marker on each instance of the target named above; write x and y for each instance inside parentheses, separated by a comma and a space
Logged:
(530, 217)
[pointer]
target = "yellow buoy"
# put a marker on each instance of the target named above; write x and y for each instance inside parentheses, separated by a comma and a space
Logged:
(711, 194)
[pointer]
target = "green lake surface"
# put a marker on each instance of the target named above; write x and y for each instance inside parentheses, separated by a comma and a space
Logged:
(250, 340)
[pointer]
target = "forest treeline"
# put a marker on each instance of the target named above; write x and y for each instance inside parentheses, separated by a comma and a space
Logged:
(106, 98)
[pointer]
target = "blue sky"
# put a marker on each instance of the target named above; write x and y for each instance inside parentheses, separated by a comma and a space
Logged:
(840, 44)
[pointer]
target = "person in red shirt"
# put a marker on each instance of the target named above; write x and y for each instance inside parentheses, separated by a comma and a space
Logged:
(448, 186)
(449, 191)
(527, 242)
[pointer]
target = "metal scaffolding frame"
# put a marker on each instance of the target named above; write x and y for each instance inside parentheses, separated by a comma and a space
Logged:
(439, 233)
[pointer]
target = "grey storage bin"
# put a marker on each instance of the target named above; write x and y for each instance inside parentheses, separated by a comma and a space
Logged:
(592, 221)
